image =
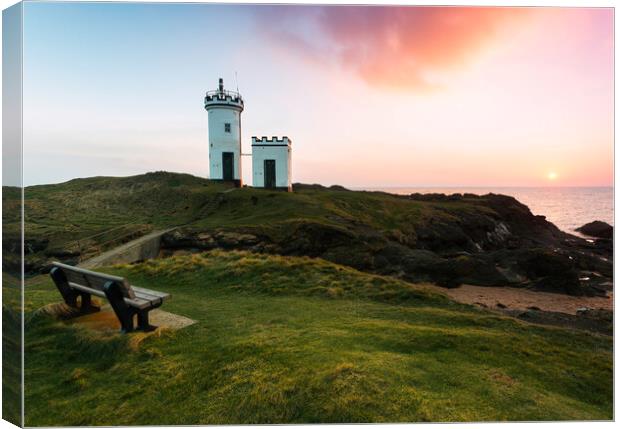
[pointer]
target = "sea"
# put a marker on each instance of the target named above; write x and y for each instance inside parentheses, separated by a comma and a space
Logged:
(566, 207)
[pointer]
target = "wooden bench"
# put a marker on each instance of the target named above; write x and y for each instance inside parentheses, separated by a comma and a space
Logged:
(127, 301)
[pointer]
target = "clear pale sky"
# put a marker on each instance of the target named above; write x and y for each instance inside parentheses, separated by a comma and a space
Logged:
(370, 96)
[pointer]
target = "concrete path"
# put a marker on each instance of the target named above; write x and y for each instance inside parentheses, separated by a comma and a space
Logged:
(145, 247)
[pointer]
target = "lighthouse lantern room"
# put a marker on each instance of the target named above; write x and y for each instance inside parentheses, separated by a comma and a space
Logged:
(224, 108)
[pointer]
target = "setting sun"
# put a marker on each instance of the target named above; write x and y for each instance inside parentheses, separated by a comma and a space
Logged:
(552, 175)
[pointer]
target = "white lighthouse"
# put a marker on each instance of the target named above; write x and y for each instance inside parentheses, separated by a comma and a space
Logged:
(224, 109)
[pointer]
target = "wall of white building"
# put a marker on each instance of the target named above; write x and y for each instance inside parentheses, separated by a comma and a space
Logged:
(221, 141)
(276, 149)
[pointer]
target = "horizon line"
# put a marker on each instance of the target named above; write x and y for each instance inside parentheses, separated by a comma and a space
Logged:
(354, 187)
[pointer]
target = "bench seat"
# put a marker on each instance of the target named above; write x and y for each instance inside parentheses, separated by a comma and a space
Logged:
(127, 301)
(144, 297)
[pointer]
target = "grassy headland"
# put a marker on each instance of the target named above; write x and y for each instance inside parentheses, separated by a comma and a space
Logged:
(295, 339)
(58, 215)
(483, 240)
(312, 321)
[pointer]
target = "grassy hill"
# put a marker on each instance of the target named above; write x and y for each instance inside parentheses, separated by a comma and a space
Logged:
(57, 215)
(449, 240)
(289, 339)
(79, 208)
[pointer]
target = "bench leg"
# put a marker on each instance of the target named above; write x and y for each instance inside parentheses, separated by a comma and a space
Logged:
(143, 321)
(60, 280)
(123, 312)
(87, 304)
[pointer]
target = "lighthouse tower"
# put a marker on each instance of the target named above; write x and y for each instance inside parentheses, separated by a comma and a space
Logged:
(224, 109)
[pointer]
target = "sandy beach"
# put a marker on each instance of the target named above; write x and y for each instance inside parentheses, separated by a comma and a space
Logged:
(522, 299)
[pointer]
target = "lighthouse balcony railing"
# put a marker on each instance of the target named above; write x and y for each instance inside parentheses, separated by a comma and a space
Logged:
(222, 95)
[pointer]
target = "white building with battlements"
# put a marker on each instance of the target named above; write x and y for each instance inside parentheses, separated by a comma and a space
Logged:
(271, 158)
(271, 163)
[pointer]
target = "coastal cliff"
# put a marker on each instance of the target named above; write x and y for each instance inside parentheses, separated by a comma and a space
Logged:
(490, 240)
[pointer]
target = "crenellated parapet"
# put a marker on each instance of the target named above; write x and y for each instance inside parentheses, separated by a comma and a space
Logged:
(217, 98)
(271, 141)
(223, 98)
(271, 162)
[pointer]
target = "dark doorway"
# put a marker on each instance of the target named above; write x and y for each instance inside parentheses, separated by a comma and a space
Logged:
(270, 173)
(227, 165)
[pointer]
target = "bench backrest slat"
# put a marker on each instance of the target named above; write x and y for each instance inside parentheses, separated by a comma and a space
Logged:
(93, 279)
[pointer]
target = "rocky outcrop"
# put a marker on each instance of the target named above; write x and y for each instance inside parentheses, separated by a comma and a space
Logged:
(593, 320)
(178, 239)
(503, 243)
(597, 229)
(485, 240)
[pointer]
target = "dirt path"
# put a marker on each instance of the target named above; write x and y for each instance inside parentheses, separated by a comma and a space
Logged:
(144, 247)
(522, 299)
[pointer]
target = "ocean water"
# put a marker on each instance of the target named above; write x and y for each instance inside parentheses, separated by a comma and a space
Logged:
(567, 208)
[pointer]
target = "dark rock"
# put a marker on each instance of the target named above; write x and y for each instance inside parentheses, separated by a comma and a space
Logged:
(31, 245)
(552, 271)
(313, 239)
(410, 260)
(179, 239)
(596, 314)
(511, 273)
(606, 286)
(500, 244)
(594, 262)
(600, 321)
(605, 244)
(477, 270)
(234, 240)
(597, 229)
(62, 253)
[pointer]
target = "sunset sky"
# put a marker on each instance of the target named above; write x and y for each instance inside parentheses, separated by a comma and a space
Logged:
(370, 96)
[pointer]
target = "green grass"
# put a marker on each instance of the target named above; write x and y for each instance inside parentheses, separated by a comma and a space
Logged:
(80, 208)
(282, 340)
(104, 212)
(269, 212)
(11, 349)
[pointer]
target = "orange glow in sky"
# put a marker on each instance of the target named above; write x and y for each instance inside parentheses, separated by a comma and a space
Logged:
(370, 96)
(459, 96)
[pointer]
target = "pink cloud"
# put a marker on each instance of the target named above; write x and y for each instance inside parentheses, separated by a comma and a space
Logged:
(398, 47)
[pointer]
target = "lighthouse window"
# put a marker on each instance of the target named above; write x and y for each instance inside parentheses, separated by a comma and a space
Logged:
(227, 127)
